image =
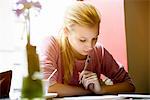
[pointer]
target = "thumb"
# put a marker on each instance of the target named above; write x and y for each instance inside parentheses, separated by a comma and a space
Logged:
(79, 76)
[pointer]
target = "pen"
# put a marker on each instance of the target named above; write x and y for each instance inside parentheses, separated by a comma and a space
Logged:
(85, 66)
(52, 74)
(91, 85)
(86, 62)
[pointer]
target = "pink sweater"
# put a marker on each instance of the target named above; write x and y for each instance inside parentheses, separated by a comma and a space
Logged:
(50, 59)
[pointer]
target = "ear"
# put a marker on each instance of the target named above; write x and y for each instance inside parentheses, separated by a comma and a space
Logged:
(66, 31)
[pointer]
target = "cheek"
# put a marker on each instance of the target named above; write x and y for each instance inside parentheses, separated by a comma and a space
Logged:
(73, 43)
(78, 45)
(81, 46)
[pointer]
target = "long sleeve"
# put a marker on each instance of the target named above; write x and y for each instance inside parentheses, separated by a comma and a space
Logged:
(112, 70)
(109, 67)
(48, 54)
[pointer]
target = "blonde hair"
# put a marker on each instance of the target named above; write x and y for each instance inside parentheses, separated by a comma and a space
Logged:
(79, 13)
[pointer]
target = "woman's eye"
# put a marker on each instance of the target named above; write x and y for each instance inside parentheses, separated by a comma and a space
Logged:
(82, 40)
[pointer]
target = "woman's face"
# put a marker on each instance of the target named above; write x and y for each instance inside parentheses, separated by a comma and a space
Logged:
(83, 39)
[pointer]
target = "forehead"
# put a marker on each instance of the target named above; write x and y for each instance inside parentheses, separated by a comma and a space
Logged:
(84, 31)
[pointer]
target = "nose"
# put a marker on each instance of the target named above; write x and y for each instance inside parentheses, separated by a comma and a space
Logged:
(90, 45)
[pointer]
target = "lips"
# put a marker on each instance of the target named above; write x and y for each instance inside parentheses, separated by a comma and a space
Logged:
(86, 52)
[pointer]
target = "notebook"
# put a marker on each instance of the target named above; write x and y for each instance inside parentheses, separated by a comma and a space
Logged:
(50, 95)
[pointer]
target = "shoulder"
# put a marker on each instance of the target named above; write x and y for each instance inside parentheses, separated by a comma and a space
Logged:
(101, 52)
(49, 44)
(99, 46)
(51, 40)
(99, 49)
(97, 52)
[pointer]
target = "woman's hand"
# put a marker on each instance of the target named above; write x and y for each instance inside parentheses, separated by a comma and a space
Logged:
(90, 81)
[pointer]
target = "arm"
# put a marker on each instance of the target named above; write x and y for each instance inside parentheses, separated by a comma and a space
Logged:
(90, 81)
(123, 87)
(121, 79)
(109, 67)
(68, 90)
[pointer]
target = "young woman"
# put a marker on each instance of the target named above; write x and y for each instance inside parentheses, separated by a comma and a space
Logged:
(79, 59)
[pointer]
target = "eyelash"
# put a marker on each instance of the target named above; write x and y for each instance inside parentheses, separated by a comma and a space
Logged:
(85, 40)
(82, 40)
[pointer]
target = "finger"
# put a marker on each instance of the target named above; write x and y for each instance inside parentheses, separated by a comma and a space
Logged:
(83, 73)
(91, 86)
(90, 75)
(88, 82)
(83, 79)
(87, 77)
(79, 79)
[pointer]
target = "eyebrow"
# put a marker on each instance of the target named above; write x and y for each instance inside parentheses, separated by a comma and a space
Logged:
(86, 38)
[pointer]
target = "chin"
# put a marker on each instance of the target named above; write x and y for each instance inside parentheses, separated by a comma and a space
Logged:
(84, 54)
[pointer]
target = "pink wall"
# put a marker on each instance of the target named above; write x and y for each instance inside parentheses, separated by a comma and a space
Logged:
(112, 28)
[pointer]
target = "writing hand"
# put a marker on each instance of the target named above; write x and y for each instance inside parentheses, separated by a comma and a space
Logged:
(90, 81)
